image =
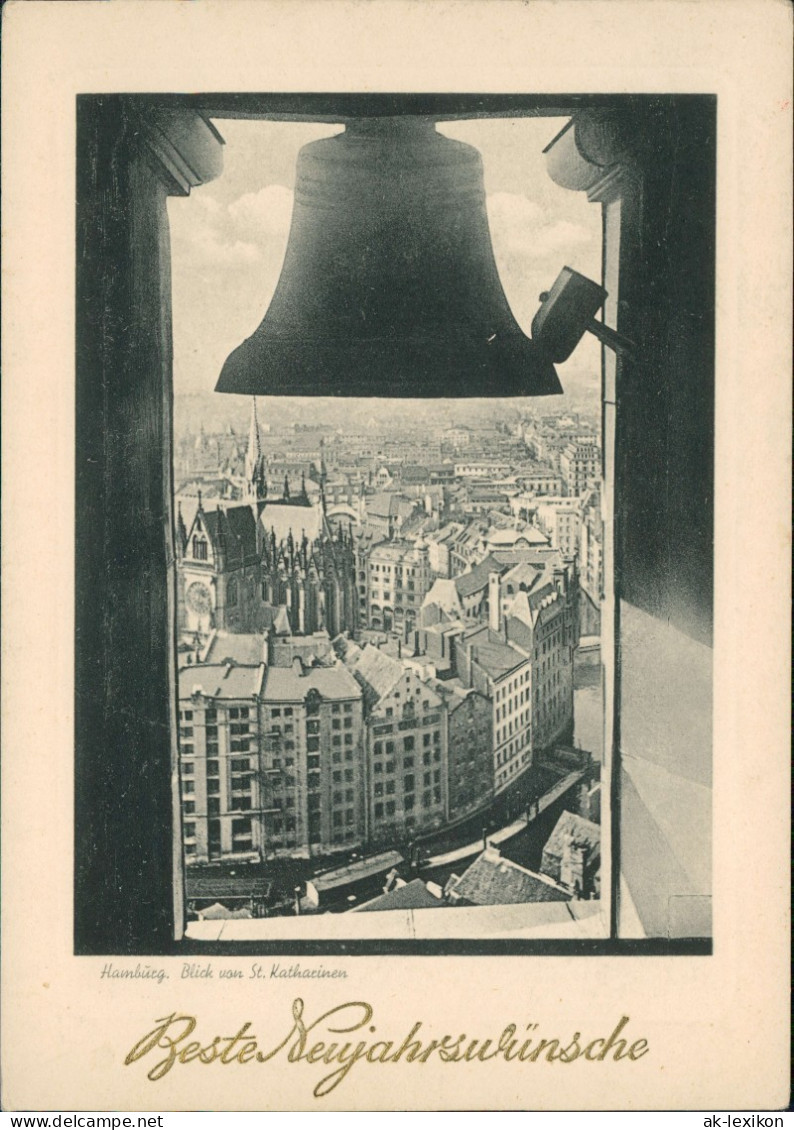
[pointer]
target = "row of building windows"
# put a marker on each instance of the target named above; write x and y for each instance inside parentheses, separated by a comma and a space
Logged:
(349, 817)
(511, 769)
(503, 691)
(514, 703)
(408, 743)
(407, 570)
(514, 747)
(507, 731)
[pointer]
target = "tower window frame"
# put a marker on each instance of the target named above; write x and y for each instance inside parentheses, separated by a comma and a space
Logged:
(133, 152)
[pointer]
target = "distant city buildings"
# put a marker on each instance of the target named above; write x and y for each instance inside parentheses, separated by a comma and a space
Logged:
(394, 579)
(580, 467)
(377, 638)
(561, 520)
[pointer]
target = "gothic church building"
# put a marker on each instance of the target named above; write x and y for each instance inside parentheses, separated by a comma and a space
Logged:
(239, 564)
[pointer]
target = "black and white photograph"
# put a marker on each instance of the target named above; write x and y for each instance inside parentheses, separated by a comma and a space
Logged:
(442, 419)
(410, 536)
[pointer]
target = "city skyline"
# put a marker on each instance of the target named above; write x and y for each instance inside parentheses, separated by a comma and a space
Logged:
(381, 647)
(348, 415)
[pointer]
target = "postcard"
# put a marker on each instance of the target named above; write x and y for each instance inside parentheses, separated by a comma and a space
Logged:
(396, 458)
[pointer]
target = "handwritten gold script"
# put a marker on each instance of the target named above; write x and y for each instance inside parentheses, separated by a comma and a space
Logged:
(172, 1034)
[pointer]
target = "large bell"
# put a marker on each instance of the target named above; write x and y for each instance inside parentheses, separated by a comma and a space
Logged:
(389, 285)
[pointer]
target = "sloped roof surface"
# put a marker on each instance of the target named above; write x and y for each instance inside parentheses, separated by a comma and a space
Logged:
(377, 673)
(216, 680)
(444, 593)
(295, 517)
(492, 653)
(477, 578)
(242, 648)
(492, 880)
(234, 529)
(584, 833)
(204, 884)
(383, 505)
(353, 872)
(287, 684)
(512, 537)
(412, 896)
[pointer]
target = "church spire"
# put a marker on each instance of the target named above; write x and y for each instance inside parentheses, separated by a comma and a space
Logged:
(181, 529)
(254, 441)
(255, 472)
(253, 454)
(323, 475)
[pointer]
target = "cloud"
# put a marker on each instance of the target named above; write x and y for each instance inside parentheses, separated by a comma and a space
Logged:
(520, 228)
(264, 214)
(208, 247)
(255, 227)
(251, 229)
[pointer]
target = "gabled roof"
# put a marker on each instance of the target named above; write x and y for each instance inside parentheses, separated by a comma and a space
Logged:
(233, 529)
(292, 517)
(411, 896)
(453, 692)
(415, 526)
(492, 654)
(520, 610)
(291, 684)
(383, 505)
(541, 555)
(444, 593)
(492, 880)
(511, 538)
(377, 673)
(313, 649)
(477, 578)
(468, 535)
(244, 648)
(240, 525)
(526, 573)
(446, 533)
(216, 680)
(542, 597)
(346, 649)
(583, 832)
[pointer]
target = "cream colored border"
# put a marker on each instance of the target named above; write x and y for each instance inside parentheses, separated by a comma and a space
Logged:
(717, 1027)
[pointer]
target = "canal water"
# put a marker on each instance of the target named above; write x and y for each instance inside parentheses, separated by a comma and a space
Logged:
(588, 712)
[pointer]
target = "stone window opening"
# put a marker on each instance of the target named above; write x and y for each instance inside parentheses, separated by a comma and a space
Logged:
(664, 599)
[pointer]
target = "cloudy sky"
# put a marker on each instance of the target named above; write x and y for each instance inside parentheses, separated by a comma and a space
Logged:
(229, 237)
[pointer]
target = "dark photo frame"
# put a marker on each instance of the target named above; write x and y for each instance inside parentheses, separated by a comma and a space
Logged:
(649, 163)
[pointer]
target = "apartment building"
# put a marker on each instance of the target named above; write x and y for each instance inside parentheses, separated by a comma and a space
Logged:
(406, 731)
(312, 760)
(394, 578)
(502, 673)
(561, 519)
(580, 467)
(219, 761)
(469, 748)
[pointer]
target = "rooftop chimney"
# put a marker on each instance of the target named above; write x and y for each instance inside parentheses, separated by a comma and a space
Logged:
(494, 602)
